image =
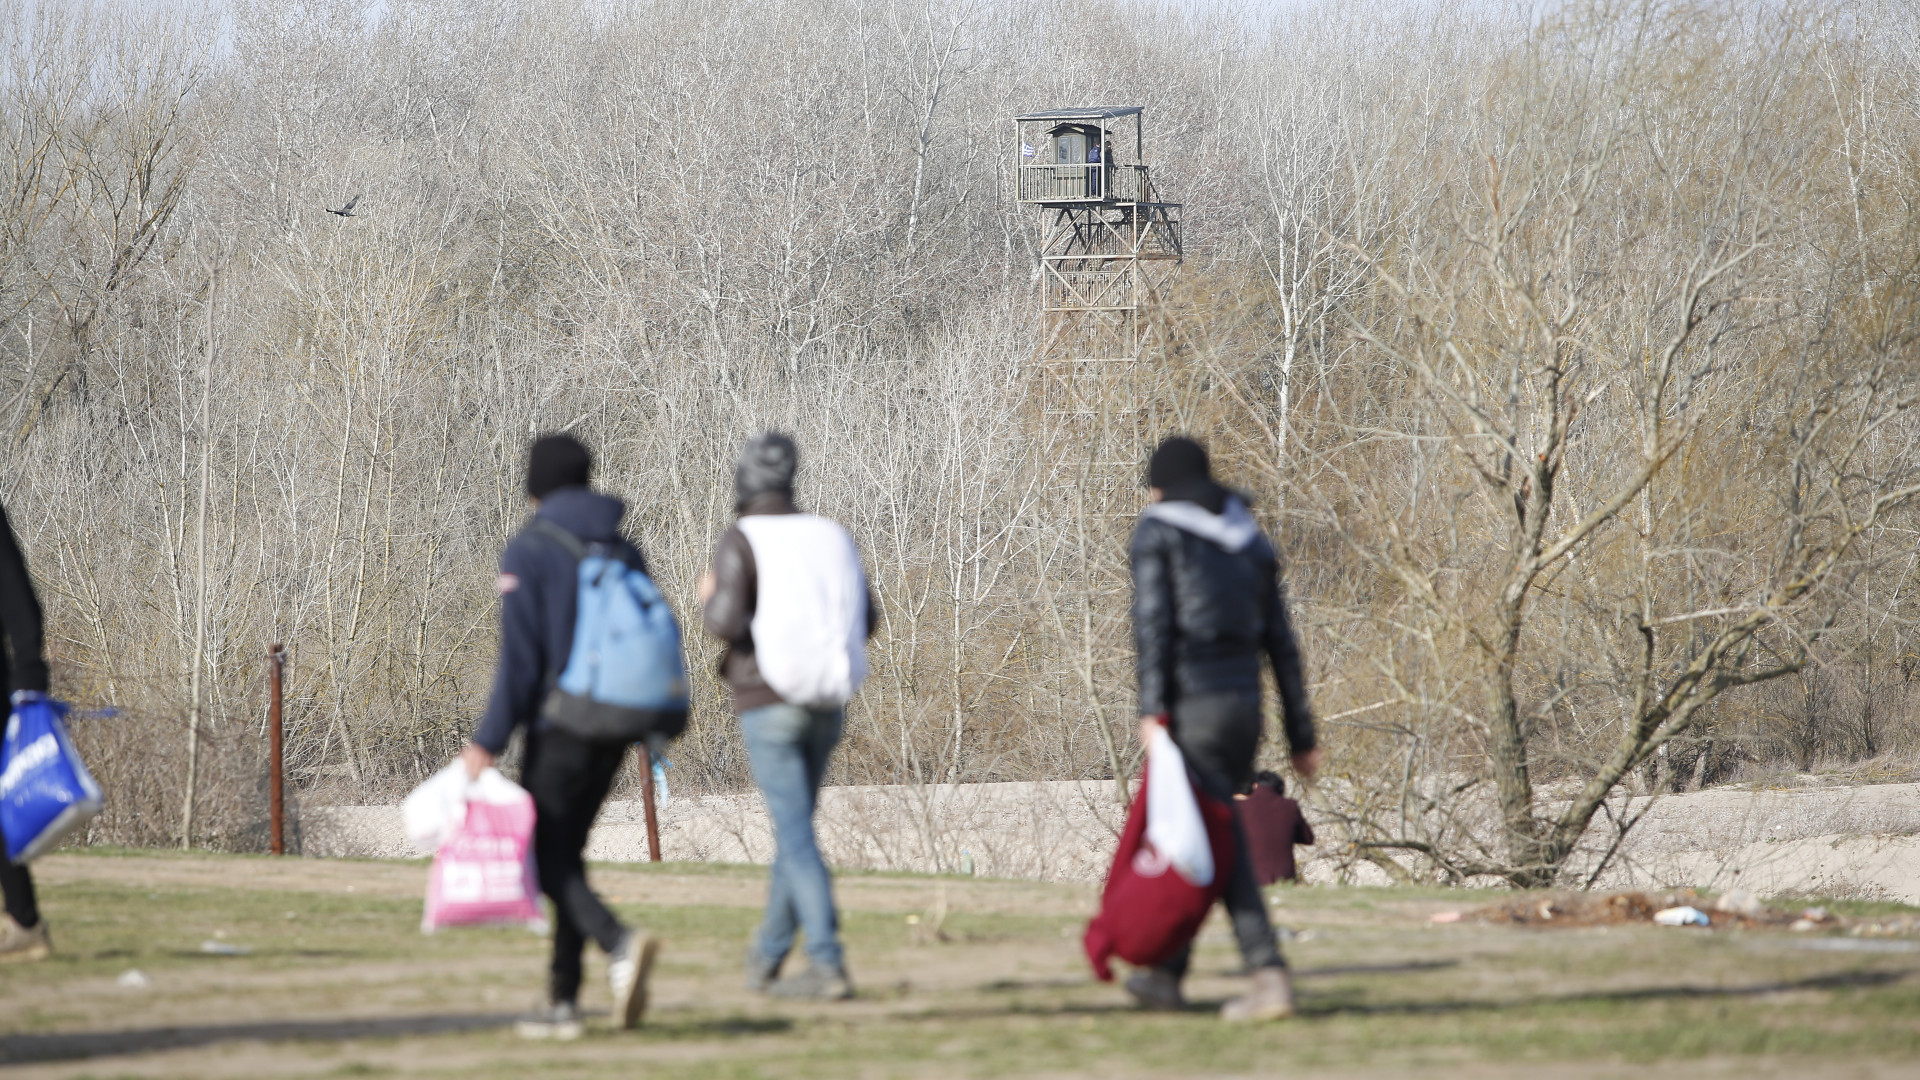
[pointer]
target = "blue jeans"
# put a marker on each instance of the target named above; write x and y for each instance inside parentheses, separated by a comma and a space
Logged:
(787, 747)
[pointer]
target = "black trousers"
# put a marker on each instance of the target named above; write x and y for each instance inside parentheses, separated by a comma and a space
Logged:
(17, 884)
(569, 778)
(1219, 735)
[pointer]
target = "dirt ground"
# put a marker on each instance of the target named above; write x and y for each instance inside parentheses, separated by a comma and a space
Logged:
(316, 968)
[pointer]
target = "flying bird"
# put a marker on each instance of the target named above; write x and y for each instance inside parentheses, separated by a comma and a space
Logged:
(347, 210)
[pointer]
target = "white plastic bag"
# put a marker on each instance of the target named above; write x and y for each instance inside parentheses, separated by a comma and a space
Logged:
(1682, 916)
(495, 789)
(438, 806)
(1175, 831)
(431, 812)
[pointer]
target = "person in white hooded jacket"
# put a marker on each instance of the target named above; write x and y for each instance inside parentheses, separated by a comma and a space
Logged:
(788, 596)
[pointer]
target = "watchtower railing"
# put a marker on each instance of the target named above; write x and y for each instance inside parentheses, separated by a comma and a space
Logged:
(1095, 183)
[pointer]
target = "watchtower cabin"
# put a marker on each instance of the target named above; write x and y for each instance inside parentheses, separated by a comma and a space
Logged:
(1108, 245)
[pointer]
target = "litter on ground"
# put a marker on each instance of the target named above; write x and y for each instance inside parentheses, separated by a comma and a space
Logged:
(1684, 907)
(1682, 916)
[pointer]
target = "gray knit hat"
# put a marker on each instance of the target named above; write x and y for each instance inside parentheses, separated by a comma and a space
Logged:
(767, 464)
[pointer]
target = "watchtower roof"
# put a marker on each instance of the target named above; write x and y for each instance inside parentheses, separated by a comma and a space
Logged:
(1087, 112)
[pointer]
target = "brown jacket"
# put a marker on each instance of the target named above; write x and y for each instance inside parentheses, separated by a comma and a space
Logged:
(728, 614)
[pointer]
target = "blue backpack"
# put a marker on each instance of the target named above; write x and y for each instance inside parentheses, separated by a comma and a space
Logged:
(625, 680)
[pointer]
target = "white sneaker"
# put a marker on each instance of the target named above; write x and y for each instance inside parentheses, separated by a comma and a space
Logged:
(627, 971)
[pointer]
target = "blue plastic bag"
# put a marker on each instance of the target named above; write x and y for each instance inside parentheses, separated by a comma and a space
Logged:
(45, 789)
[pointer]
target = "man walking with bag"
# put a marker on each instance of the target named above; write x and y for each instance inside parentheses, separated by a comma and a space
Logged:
(788, 596)
(1207, 607)
(23, 671)
(568, 773)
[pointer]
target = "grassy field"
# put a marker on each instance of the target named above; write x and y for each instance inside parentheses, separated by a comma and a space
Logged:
(336, 980)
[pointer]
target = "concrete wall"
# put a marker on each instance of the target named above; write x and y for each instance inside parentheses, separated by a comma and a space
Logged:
(1062, 831)
(1857, 841)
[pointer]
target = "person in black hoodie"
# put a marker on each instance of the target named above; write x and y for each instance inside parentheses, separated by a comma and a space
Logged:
(1207, 609)
(23, 671)
(568, 776)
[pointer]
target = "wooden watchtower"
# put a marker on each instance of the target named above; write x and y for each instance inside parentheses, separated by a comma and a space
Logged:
(1108, 250)
(1108, 245)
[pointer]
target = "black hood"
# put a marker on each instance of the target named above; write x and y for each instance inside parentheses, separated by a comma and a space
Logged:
(588, 515)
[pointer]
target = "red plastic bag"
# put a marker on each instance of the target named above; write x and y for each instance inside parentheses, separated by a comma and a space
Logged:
(483, 872)
(1149, 910)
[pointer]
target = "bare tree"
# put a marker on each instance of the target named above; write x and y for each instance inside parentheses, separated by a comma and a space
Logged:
(1670, 261)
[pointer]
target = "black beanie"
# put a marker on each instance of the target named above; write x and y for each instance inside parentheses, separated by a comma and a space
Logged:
(557, 461)
(1180, 469)
(767, 464)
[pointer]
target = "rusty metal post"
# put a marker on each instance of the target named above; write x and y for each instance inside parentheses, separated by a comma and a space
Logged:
(276, 791)
(646, 795)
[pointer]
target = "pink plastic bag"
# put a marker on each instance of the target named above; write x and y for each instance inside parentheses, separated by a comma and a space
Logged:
(483, 872)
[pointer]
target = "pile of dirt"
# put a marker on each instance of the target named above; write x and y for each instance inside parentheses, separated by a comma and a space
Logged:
(1574, 910)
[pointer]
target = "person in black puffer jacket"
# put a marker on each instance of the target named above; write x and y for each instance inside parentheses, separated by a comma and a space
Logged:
(1207, 608)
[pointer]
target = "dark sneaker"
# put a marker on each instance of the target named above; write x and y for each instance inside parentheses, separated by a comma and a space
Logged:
(20, 944)
(1156, 990)
(559, 1021)
(627, 971)
(1270, 999)
(817, 983)
(760, 973)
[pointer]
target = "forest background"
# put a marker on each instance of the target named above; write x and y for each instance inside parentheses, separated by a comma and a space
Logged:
(1567, 350)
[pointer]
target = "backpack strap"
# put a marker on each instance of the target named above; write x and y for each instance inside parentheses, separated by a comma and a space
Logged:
(574, 545)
